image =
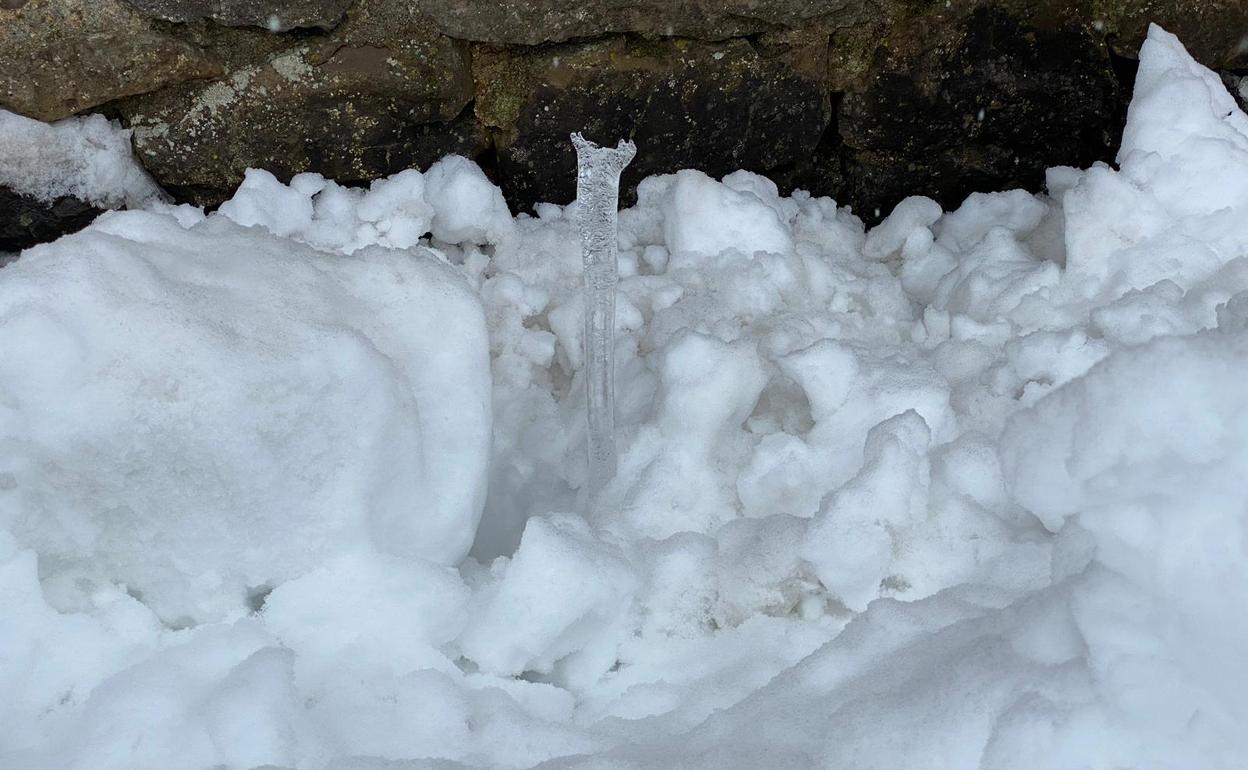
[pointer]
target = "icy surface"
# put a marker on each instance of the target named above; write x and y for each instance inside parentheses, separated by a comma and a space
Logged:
(597, 199)
(87, 158)
(963, 491)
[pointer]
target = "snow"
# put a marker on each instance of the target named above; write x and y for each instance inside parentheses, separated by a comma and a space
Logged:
(467, 208)
(965, 490)
(703, 216)
(173, 395)
(453, 200)
(523, 625)
(911, 218)
(84, 157)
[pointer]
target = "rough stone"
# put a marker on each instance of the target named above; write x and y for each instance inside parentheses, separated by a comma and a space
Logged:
(1214, 31)
(59, 57)
(1237, 85)
(381, 94)
(27, 221)
(273, 16)
(713, 106)
(864, 100)
(532, 22)
(989, 104)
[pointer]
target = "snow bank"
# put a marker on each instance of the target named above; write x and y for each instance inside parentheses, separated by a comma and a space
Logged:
(965, 490)
(199, 413)
(87, 158)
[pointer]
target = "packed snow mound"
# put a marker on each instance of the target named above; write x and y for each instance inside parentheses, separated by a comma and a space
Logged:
(1205, 142)
(202, 412)
(85, 157)
(965, 490)
(1183, 185)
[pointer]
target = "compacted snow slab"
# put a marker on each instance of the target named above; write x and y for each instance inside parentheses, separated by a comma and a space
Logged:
(201, 413)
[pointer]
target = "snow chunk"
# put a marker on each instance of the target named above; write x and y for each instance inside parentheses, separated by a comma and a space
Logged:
(384, 612)
(1080, 445)
(1018, 211)
(88, 158)
(453, 200)
(709, 387)
(1176, 209)
(912, 214)
(1180, 109)
(398, 208)
(860, 531)
(264, 201)
(467, 207)
(760, 568)
(1155, 482)
(702, 216)
(559, 602)
(201, 412)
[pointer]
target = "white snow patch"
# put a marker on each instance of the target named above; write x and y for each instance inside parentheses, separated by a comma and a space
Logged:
(197, 412)
(85, 157)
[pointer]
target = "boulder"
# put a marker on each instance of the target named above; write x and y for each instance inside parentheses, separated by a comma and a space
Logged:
(535, 22)
(384, 92)
(864, 100)
(979, 103)
(27, 220)
(717, 107)
(1213, 31)
(59, 57)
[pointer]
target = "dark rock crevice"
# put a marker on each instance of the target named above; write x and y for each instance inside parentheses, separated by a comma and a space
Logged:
(992, 110)
(27, 221)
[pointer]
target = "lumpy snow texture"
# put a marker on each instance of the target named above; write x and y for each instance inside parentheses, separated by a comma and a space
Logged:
(963, 491)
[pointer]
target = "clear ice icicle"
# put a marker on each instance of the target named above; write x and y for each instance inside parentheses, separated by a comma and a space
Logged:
(598, 194)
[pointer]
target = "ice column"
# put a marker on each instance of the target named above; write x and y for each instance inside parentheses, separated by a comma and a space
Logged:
(597, 194)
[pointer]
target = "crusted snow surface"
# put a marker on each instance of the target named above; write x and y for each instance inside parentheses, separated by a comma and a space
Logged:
(84, 157)
(964, 491)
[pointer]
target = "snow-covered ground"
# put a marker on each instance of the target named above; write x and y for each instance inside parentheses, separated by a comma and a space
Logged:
(966, 490)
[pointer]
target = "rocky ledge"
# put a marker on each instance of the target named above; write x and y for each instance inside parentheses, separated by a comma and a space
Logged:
(863, 100)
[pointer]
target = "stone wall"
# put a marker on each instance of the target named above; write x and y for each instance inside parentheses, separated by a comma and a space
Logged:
(864, 100)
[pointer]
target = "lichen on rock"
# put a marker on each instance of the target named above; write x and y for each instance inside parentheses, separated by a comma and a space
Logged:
(381, 93)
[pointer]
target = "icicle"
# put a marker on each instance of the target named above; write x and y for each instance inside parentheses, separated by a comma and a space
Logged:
(598, 193)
